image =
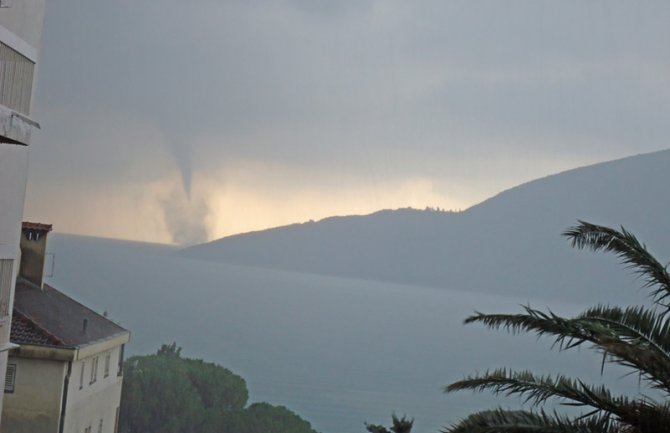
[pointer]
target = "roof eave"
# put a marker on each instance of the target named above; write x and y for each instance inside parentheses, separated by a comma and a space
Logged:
(90, 349)
(69, 353)
(38, 351)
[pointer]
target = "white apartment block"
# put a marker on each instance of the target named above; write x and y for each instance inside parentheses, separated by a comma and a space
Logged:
(20, 39)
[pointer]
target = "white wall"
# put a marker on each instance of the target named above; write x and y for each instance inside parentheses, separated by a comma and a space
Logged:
(13, 177)
(34, 406)
(21, 29)
(87, 405)
(24, 19)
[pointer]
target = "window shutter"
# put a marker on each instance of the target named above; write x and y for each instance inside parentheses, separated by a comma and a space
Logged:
(6, 278)
(10, 378)
(16, 78)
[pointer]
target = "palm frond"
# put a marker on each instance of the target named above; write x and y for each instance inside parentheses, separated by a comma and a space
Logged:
(629, 250)
(646, 418)
(537, 390)
(637, 324)
(533, 320)
(620, 348)
(506, 421)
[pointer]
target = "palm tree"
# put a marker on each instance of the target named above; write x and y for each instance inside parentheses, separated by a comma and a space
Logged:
(637, 338)
(400, 425)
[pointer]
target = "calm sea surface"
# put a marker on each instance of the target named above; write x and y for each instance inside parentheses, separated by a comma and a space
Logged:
(337, 351)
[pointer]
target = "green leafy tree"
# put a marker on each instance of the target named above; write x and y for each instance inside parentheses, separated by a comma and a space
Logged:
(217, 387)
(265, 418)
(637, 338)
(166, 393)
(169, 350)
(158, 396)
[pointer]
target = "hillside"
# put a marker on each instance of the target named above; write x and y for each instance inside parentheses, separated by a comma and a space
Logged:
(507, 244)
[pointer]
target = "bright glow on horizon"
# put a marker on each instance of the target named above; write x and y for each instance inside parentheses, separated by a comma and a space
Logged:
(162, 212)
(252, 197)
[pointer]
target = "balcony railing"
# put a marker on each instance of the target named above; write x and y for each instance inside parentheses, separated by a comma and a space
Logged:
(16, 80)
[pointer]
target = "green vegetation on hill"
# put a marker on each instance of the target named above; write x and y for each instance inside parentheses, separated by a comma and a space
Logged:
(165, 393)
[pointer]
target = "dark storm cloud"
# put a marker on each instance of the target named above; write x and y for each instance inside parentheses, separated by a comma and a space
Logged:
(238, 67)
(133, 89)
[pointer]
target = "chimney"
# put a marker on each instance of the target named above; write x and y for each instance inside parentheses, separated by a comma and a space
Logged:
(33, 251)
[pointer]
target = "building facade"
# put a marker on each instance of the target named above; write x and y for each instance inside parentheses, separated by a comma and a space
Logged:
(20, 40)
(65, 373)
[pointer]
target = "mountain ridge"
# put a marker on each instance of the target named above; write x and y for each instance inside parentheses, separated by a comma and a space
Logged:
(481, 248)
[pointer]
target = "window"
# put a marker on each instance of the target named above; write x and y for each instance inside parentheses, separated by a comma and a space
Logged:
(6, 275)
(16, 80)
(100, 426)
(94, 370)
(87, 429)
(116, 420)
(120, 371)
(10, 378)
(108, 358)
(81, 374)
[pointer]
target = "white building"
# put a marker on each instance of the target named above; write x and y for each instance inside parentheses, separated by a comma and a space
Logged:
(20, 36)
(65, 375)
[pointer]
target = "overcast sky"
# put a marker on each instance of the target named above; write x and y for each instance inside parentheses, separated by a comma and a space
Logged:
(175, 121)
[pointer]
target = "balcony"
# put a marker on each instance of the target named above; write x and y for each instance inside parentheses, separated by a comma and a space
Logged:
(16, 84)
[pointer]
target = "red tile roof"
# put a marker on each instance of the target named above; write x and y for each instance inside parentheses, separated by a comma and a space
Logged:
(27, 225)
(25, 331)
(55, 315)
